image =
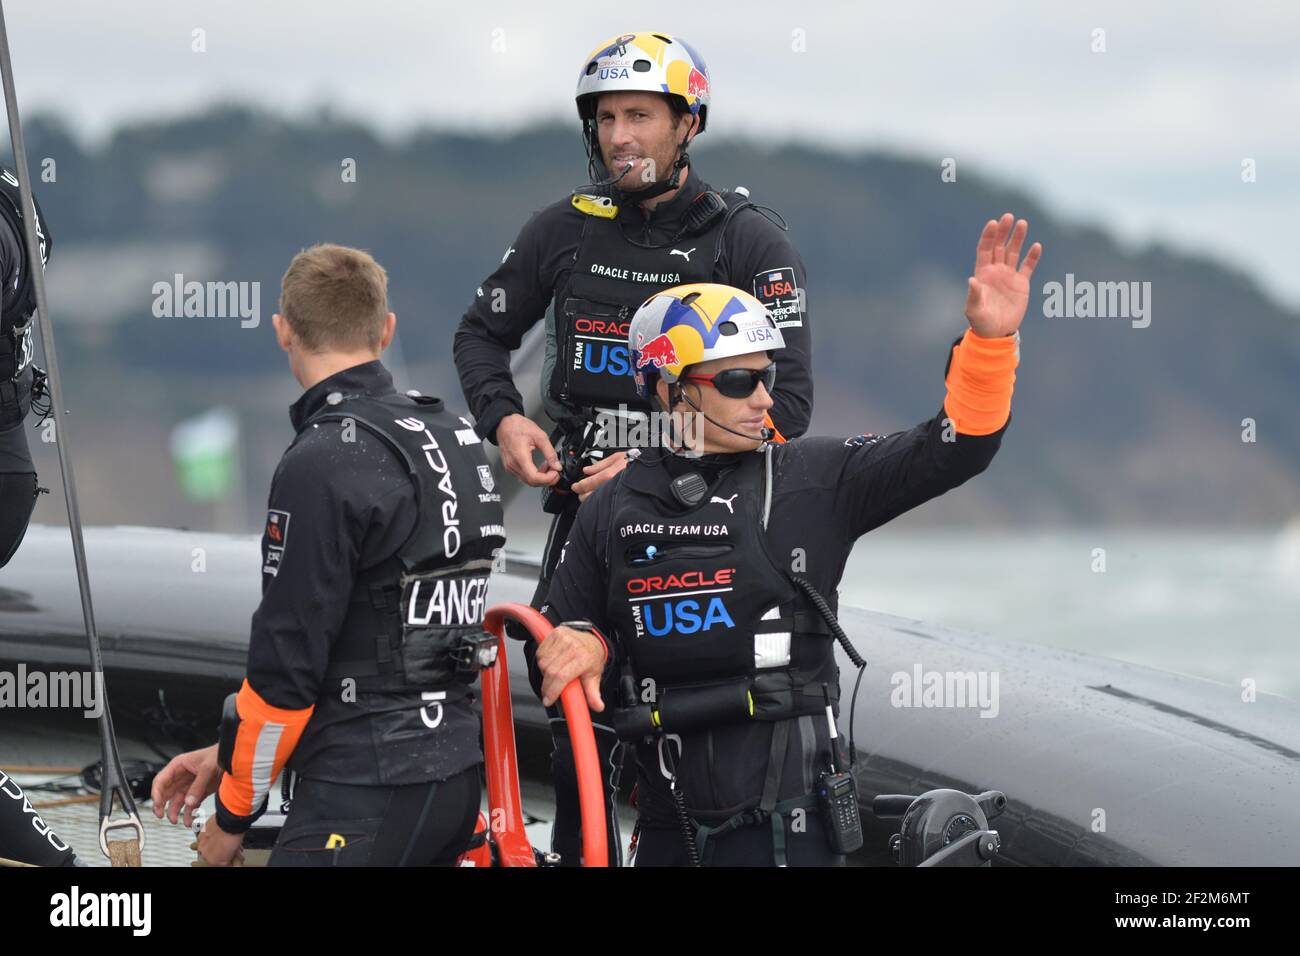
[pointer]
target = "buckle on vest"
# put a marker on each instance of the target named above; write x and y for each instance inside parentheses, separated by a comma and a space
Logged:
(379, 597)
(474, 653)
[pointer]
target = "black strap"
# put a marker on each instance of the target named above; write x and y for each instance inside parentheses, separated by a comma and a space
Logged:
(769, 810)
(775, 765)
(772, 786)
(340, 669)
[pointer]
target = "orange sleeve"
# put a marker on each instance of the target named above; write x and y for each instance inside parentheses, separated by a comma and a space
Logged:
(980, 381)
(266, 738)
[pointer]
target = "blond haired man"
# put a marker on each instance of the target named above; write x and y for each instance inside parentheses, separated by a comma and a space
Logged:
(380, 532)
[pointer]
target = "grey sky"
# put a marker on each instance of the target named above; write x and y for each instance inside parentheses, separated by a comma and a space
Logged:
(1146, 139)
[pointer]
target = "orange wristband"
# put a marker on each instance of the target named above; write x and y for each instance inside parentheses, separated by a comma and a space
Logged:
(980, 382)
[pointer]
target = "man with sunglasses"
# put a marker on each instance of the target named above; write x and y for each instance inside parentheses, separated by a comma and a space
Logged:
(698, 570)
(646, 221)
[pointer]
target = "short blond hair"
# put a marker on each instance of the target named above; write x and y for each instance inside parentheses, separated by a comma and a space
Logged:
(335, 298)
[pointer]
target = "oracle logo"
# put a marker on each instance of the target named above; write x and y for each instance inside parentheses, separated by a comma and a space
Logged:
(687, 579)
(601, 327)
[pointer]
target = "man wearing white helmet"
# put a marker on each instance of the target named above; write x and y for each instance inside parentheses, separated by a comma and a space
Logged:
(646, 222)
(702, 572)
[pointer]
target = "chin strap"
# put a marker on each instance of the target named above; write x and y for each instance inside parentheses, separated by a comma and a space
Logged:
(663, 185)
(608, 186)
(767, 434)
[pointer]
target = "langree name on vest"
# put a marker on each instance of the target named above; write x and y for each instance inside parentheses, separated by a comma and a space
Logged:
(454, 601)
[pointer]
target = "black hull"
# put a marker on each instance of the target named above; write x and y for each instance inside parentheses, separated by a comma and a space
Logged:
(1103, 763)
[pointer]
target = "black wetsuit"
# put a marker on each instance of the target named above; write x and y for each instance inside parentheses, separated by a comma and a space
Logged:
(419, 824)
(24, 836)
(389, 768)
(826, 493)
(17, 472)
(564, 256)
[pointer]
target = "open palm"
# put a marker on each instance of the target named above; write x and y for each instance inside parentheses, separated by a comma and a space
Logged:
(998, 293)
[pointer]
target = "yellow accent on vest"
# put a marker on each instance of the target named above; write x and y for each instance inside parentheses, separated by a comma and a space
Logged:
(597, 206)
(335, 841)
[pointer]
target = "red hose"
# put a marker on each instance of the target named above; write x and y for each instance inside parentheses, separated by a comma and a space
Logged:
(505, 819)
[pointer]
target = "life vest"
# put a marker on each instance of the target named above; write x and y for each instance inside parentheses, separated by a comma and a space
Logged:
(393, 657)
(700, 604)
(697, 597)
(587, 365)
(20, 298)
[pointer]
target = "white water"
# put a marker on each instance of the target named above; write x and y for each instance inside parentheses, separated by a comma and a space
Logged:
(1222, 605)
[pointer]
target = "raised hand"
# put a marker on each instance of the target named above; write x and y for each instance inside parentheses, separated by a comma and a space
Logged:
(998, 293)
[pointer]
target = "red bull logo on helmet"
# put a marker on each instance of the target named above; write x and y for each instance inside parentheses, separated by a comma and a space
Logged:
(659, 351)
(697, 84)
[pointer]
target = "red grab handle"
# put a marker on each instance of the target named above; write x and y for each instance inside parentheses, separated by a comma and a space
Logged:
(506, 820)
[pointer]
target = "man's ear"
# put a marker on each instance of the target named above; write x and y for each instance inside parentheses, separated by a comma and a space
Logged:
(390, 327)
(692, 129)
(283, 331)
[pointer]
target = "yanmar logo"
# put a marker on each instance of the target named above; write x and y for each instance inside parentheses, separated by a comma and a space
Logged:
(680, 582)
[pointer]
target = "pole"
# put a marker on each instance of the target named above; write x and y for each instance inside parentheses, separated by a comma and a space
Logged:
(112, 776)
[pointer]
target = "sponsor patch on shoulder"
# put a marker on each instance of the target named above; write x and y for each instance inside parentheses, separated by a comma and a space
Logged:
(273, 538)
(780, 294)
(467, 435)
(861, 441)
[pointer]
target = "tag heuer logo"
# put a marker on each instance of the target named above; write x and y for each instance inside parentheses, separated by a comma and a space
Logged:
(485, 476)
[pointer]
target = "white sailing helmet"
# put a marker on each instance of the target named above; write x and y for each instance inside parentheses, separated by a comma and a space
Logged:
(645, 62)
(689, 324)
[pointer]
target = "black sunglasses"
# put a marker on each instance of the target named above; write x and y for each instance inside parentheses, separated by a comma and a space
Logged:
(738, 382)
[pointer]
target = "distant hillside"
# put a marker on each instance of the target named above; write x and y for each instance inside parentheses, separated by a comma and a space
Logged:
(1112, 424)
